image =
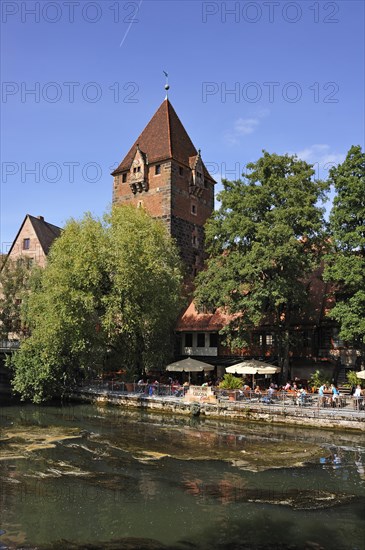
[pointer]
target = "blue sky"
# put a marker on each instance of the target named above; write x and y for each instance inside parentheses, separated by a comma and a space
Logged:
(295, 71)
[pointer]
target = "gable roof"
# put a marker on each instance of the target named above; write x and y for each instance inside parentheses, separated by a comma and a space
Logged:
(45, 231)
(164, 137)
(320, 302)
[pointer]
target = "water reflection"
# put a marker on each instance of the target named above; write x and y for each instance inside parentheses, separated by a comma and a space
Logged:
(99, 476)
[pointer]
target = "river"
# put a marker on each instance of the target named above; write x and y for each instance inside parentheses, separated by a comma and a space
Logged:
(83, 476)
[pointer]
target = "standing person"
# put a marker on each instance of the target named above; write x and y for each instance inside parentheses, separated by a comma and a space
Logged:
(321, 391)
(335, 395)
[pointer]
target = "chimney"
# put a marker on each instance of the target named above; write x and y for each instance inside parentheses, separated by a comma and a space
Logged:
(40, 218)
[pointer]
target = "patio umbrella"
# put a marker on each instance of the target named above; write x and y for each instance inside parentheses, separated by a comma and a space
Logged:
(189, 365)
(361, 374)
(253, 367)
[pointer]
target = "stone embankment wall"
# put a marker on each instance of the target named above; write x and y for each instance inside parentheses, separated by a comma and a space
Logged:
(308, 417)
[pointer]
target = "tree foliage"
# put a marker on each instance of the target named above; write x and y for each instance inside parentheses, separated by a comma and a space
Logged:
(14, 284)
(110, 292)
(262, 242)
(346, 262)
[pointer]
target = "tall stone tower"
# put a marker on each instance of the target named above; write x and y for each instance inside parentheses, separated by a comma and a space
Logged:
(165, 174)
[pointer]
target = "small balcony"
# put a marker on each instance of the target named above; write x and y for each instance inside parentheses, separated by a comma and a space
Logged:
(212, 352)
(9, 345)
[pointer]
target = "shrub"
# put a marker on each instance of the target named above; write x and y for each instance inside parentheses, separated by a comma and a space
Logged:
(230, 382)
(352, 379)
(318, 378)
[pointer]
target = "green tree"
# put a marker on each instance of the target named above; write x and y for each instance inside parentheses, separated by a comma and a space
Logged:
(263, 241)
(110, 290)
(14, 284)
(345, 265)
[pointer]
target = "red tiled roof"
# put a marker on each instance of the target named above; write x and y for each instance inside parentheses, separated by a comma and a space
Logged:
(46, 232)
(320, 302)
(192, 320)
(164, 137)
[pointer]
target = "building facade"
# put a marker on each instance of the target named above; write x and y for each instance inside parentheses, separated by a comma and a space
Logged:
(33, 240)
(164, 173)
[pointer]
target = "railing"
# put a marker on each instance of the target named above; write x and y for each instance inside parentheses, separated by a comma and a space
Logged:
(236, 398)
(8, 345)
(133, 388)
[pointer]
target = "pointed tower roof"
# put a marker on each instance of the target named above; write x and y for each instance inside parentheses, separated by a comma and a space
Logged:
(163, 138)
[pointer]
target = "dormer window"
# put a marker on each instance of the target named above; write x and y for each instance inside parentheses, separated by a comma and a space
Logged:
(157, 169)
(26, 244)
(136, 169)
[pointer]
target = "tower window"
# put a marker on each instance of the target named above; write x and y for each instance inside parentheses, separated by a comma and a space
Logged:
(213, 340)
(181, 171)
(201, 340)
(269, 340)
(193, 209)
(26, 244)
(124, 177)
(194, 240)
(188, 340)
(158, 169)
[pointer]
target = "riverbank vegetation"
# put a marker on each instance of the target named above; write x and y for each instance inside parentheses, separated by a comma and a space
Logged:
(108, 297)
(268, 237)
(111, 292)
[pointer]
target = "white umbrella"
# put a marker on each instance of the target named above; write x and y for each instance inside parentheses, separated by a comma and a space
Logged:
(189, 365)
(361, 374)
(253, 367)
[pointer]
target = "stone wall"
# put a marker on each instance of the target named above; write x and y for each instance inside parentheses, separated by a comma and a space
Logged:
(299, 417)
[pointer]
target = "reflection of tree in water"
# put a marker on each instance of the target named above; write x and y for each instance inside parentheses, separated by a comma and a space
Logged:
(147, 486)
(360, 466)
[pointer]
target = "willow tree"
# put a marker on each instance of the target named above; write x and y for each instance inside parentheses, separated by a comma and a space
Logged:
(110, 289)
(14, 283)
(263, 241)
(345, 266)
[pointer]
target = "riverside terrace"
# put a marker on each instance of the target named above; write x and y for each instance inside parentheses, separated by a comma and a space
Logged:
(282, 407)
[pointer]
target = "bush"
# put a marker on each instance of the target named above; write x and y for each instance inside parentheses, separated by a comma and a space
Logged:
(318, 378)
(231, 382)
(352, 379)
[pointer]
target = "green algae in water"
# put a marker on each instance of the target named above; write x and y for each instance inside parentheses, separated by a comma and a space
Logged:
(124, 481)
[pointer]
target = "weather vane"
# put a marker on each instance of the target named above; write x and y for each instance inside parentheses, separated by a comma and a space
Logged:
(167, 87)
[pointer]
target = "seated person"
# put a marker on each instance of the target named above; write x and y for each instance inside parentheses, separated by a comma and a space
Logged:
(301, 396)
(358, 392)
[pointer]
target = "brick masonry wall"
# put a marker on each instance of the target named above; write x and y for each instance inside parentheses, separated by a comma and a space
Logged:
(34, 252)
(169, 199)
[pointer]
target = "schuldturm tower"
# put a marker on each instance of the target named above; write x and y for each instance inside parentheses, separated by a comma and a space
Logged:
(164, 173)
